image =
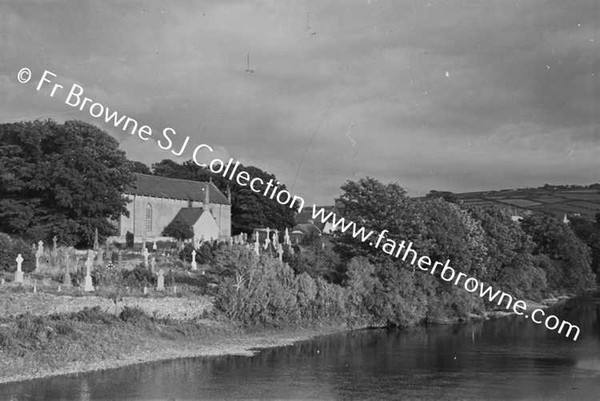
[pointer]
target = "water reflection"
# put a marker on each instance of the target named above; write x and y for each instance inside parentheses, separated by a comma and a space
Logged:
(504, 359)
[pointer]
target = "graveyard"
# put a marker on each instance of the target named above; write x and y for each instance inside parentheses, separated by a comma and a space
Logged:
(112, 305)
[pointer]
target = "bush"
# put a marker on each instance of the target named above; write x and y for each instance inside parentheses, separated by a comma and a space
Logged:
(129, 238)
(179, 230)
(10, 247)
(139, 277)
(92, 315)
(134, 315)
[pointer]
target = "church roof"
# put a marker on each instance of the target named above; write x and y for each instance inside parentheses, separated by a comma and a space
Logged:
(189, 215)
(175, 188)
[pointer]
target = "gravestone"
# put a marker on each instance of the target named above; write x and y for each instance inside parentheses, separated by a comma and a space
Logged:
(89, 263)
(154, 247)
(109, 254)
(286, 238)
(194, 264)
(38, 254)
(96, 243)
(100, 257)
(145, 290)
(19, 272)
(257, 246)
(145, 255)
(153, 264)
(160, 282)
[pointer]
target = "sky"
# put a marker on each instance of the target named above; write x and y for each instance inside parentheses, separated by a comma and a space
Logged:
(457, 95)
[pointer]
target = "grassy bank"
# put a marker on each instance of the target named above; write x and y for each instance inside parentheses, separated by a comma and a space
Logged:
(40, 346)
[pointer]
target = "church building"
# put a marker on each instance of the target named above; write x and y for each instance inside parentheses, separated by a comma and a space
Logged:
(156, 201)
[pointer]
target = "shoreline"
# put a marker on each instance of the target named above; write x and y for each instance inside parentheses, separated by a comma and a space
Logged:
(226, 340)
(242, 344)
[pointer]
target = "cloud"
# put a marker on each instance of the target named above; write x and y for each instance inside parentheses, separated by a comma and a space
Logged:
(409, 91)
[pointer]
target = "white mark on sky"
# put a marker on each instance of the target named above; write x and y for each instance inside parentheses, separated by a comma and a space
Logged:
(347, 134)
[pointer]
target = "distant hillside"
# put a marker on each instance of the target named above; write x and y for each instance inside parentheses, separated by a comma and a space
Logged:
(559, 200)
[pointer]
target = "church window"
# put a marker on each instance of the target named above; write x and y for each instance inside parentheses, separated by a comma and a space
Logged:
(148, 217)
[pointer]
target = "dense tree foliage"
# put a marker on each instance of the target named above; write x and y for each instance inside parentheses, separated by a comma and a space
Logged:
(60, 179)
(249, 210)
(589, 232)
(569, 263)
(179, 230)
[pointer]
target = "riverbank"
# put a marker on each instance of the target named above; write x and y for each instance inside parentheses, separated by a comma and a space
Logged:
(74, 344)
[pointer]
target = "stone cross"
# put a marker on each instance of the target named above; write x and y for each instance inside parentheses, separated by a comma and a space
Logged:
(160, 282)
(19, 272)
(145, 256)
(194, 264)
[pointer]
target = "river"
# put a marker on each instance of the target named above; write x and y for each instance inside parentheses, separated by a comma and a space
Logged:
(509, 358)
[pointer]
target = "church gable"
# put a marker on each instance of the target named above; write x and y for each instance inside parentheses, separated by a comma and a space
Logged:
(201, 220)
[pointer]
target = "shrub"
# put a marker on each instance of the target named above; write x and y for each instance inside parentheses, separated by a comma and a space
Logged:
(129, 238)
(134, 315)
(10, 247)
(92, 315)
(179, 229)
(139, 277)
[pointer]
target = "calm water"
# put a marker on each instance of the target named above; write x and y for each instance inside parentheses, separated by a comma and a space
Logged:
(504, 359)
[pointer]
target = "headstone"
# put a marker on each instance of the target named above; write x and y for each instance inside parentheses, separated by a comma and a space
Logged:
(174, 289)
(96, 243)
(2, 281)
(88, 285)
(145, 290)
(19, 272)
(160, 282)
(100, 257)
(194, 264)
(256, 246)
(55, 240)
(267, 239)
(154, 247)
(286, 237)
(59, 289)
(153, 264)
(145, 256)
(34, 289)
(38, 254)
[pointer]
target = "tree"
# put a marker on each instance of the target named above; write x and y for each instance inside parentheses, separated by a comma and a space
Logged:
(60, 179)
(569, 256)
(179, 230)
(249, 210)
(139, 167)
